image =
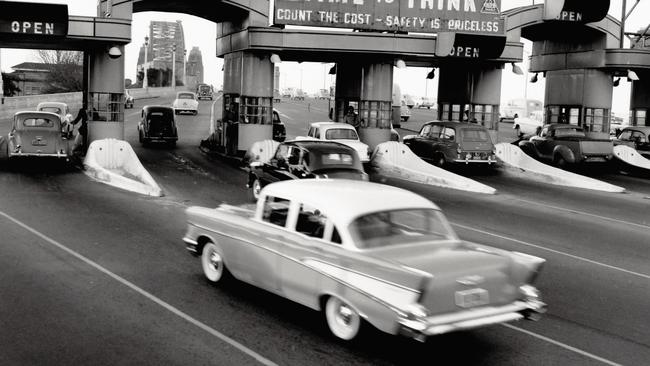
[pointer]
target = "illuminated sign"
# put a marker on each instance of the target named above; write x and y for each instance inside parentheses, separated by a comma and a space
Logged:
(426, 16)
(33, 20)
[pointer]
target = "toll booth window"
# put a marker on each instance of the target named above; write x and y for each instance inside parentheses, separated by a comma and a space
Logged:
(106, 107)
(553, 114)
(485, 115)
(375, 114)
(640, 117)
(256, 110)
(596, 120)
(455, 112)
(574, 116)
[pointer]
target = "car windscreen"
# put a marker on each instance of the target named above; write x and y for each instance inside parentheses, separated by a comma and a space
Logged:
(400, 227)
(475, 134)
(38, 122)
(185, 96)
(341, 134)
(569, 132)
(54, 110)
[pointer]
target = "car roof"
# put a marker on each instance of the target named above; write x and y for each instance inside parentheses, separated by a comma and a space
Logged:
(645, 129)
(561, 125)
(185, 92)
(320, 146)
(454, 124)
(151, 108)
(332, 124)
(344, 200)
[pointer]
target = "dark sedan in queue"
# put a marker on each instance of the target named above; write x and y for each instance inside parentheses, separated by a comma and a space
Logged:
(303, 160)
(157, 123)
(443, 143)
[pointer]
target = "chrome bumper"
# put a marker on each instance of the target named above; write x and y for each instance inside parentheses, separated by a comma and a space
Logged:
(191, 245)
(474, 161)
(468, 319)
(57, 155)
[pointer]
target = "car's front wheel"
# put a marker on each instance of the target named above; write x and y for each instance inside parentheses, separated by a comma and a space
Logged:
(439, 160)
(255, 189)
(212, 262)
(343, 321)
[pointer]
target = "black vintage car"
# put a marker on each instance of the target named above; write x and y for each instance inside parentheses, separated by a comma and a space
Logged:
(303, 160)
(157, 124)
(279, 130)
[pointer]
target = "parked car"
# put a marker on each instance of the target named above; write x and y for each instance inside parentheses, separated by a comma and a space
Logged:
(303, 160)
(204, 91)
(408, 100)
(364, 252)
(405, 112)
(339, 132)
(277, 98)
(39, 135)
(186, 102)
(128, 100)
(443, 143)
(63, 111)
(635, 137)
(426, 102)
(279, 129)
(157, 124)
(529, 125)
(564, 144)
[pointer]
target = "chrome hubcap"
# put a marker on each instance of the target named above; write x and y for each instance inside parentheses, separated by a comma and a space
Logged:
(215, 261)
(256, 188)
(344, 315)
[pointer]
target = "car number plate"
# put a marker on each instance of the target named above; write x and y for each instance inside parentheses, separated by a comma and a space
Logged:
(472, 298)
(39, 142)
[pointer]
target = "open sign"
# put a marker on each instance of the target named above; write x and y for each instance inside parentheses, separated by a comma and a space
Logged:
(30, 20)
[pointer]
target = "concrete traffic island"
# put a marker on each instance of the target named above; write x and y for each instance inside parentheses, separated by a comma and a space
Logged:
(396, 160)
(631, 157)
(517, 163)
(114, 162)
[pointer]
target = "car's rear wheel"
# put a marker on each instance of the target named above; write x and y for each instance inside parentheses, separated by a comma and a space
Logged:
(343, 321)
(560, 162)
(255, 189)
(439, 160)
(212, 262)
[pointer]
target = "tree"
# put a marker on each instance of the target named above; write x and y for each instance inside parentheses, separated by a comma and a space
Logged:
(66, 70)
(9, 85)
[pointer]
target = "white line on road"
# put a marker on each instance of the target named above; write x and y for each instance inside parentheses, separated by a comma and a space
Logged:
(642, 226)
(642, 275)
(144, 293)
(284, 115)
(562, 345)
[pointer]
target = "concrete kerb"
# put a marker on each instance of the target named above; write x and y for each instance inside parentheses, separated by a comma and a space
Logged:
(631, 156)
(396, 160)
(114, 162)
(518, 163)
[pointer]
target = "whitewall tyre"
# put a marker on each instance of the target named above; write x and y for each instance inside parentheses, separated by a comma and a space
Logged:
(343, 321)
(212, 263)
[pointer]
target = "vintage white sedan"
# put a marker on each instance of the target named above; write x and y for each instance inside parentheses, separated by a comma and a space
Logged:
(186, 102)
(339, 132)
(62, 110)
(364, 252)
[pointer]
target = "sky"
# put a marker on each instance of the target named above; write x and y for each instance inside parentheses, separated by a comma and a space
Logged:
(313, 76)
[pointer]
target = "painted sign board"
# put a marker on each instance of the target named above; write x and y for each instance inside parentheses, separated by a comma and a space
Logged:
(424, 16)
(576, 11)
(33, 20)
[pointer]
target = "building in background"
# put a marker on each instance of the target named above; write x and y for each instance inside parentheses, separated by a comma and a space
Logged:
(162, 38)
(194, 68)
(31, 77)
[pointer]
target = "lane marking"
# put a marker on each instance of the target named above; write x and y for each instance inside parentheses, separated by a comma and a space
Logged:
(284, 115)
(642, 226)
(562, 345)
(642, 275)
(261, 359)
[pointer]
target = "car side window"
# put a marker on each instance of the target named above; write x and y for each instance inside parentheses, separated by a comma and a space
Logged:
(435, 132)
(317, 133)
(311, 222)
(311, 132)
(425, 130)
(638, 136)
(544, 132)
(276, 210)
(282, 152)
(294, 156)
(625, 135)
(448, 134)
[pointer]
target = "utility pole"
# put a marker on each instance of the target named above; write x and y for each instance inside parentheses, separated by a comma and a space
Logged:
(184, 67)
(623, 16)
(145, 81)
(174, 66)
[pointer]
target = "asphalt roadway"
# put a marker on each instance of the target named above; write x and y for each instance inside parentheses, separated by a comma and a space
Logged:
(95, 275)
